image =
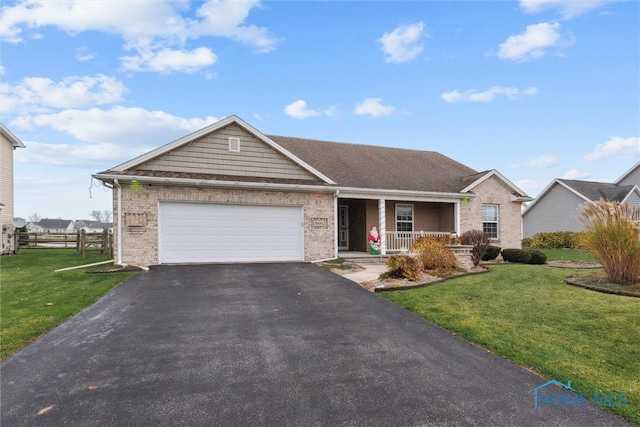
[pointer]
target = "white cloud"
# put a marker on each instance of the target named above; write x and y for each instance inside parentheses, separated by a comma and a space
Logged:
(298, 110)
(627, 148)
(373, 107)
(531, 186)
(489, 95)
(75, 154)
(40, 94)
(168, 60)
(534, 43)
(575, 174)
(120, 126)
(568, 8)
(542, 162)
(84, 54)
(159, 29)
(403, 43)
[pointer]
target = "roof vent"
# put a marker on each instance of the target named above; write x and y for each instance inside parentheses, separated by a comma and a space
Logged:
(234, 144)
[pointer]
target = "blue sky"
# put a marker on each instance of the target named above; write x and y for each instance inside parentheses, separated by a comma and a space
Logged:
(537, 89)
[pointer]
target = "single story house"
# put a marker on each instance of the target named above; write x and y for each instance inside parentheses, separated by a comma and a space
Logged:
(229, 193)
(556, 208)
(52, 225)
(8, 143)
(92, 226)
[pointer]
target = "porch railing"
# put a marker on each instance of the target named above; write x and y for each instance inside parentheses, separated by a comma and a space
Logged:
(401, 241)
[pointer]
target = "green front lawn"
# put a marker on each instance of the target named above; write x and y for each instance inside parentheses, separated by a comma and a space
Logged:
(528, 315)
(34, 299)
(567, 255)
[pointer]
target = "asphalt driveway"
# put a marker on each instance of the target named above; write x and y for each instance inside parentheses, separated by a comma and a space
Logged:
(265, 344)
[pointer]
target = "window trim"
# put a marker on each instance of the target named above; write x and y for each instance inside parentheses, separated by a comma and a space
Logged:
(413, 217)
(496, 222)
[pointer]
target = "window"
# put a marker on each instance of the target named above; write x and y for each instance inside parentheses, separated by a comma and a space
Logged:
(490, 220)
(404, 217)
(234, 144)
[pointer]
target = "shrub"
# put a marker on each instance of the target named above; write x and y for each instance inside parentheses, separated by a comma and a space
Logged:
(537, 257)
(522, 256)
(480, 242)
(491, 253)
(613, 237)
(404, 267)
(433, 253)
(555, 240)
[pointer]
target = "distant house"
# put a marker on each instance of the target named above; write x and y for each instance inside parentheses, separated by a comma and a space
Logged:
(556, 208)
(92, 226)
(8, 143)
(229, 193)
(49, 225)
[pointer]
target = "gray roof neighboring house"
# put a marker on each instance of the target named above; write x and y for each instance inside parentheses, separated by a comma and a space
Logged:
(49, 223)
(556, 208)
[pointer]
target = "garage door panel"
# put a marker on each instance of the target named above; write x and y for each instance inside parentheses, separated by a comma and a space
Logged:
(191, 232)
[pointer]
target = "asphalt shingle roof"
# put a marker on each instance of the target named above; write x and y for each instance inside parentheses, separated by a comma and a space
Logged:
(599, 190)
(374, 167)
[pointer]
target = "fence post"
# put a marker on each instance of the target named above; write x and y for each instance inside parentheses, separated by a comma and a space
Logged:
(78, 242)
(83, 243)
(105, 243)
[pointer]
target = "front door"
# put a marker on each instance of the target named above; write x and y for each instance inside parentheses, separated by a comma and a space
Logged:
(343, 228)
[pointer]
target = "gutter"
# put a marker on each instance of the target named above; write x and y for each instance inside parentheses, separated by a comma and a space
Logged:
(347, 192)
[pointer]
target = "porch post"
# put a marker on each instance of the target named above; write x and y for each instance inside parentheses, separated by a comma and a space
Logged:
(456, 218)
(383, 226)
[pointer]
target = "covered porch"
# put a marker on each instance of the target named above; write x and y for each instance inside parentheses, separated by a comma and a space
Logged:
(399, 222)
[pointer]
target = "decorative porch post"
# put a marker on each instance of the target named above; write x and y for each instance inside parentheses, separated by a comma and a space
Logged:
(383, 226)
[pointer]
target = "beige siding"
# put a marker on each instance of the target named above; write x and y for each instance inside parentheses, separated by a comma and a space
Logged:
(494, 191)
(210, 155)
(140, 213)
(557, 210)
(6, 190)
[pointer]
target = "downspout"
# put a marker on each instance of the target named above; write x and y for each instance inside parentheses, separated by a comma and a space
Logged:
(335, 223)
(119, 244)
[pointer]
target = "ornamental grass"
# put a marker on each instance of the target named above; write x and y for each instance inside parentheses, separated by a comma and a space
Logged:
(613, 237)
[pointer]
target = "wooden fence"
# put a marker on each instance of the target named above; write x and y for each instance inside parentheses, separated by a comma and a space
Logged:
(80, 240)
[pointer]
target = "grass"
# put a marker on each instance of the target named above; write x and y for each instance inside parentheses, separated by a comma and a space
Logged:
(34, 299)
(528, 315)
(567, 255)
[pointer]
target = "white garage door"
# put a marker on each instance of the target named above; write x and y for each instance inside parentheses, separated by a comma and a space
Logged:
(197, 232)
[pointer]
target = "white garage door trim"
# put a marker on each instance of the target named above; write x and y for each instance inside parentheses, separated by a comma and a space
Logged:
(221, 232)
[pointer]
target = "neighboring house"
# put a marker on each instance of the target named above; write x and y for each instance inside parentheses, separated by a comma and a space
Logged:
(556, 208)
(49, 225)
(229, 193)
(8, 143)
(92, 226)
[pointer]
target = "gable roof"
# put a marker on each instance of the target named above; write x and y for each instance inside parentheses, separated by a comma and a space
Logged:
(589, 191)
(344, 165)
(627, 173)
(212, 128)
(53, 223)
(11, 137)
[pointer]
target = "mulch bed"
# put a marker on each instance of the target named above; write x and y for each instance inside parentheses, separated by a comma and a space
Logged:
(425, 279)
(599, 283)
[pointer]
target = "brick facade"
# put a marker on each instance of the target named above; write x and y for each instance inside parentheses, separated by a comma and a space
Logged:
(140, 216)
(494, 191)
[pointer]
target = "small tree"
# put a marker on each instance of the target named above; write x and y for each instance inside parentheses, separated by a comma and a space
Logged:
(613, 237)
(97, 215)
(35, 218)
(480, 242)
(107, 215)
